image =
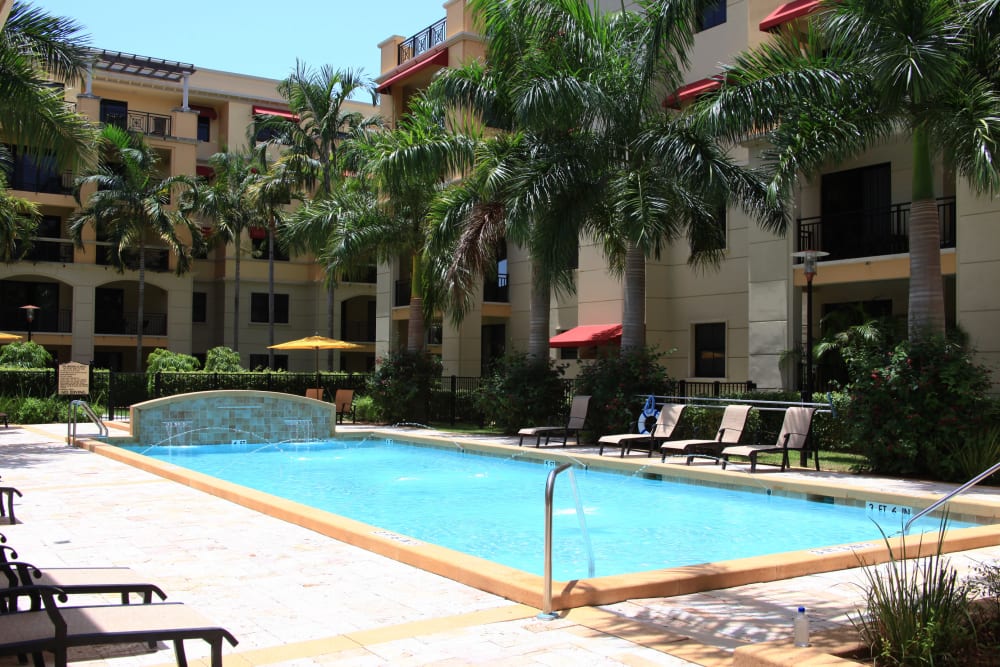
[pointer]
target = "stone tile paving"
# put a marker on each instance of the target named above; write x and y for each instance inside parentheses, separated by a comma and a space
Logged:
(294, 597)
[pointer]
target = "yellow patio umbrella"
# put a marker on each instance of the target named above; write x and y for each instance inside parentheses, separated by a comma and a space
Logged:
(9, 338)
(316, 343)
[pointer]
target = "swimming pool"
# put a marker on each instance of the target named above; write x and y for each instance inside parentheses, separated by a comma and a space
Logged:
(492, 506)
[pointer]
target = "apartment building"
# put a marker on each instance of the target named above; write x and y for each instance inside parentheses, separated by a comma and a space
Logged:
(744, 320)
(87, 310)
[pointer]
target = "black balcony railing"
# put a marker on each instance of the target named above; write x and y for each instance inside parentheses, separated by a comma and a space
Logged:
(365, 275)
(50, 250)
(871, 232)
(31, 177)
(143, 122)
(46, 320)
(424, 40)
(127, 324)
(401, 296)
(496, 289)
(157, 259)
(358, 330)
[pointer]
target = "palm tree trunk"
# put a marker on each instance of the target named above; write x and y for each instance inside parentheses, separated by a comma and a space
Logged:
(538, 322)
(236, 298)
(330, 302)
(415, 333)
(270, 293)
(926, 298)
(634, 300)
(140, 314)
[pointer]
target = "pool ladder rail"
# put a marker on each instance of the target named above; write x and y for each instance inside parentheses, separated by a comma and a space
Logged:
(547, 614)
(942, 500)
(102, 428)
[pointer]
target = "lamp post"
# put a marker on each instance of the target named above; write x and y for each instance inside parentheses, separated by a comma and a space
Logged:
(29, 313)
(810, 259)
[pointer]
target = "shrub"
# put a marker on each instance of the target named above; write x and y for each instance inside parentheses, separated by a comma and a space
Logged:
(912, 406)
(402, 384)
(31, 410)
(28, 354)
(364, 409)
(521, 391)
(222, 360)
(160, 360)
(917, 612)
(618, 387)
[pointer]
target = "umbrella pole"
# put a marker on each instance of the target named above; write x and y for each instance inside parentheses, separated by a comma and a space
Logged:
(317, 372)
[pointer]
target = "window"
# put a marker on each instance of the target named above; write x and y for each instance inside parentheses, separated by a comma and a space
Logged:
(722, 226)
(49, 227)
(713, 15)
(204, 127)
(710, 350)
(114, 112)
(258, 308)
(199, 307)
(260, 361)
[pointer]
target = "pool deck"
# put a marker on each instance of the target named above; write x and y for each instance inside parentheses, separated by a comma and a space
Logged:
(295, 597)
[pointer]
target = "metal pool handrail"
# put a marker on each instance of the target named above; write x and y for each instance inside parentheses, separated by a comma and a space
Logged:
(550, 485)
(102, 428)
(941, 501)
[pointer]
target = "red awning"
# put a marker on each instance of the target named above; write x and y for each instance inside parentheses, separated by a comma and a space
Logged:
(207, 112)
(436, 56)
(588, 334)
(258, 233)
(788, 12)
(204, 171)
(692, 90)
(267, 111)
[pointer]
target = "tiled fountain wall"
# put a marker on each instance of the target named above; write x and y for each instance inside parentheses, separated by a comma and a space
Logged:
(213, 417)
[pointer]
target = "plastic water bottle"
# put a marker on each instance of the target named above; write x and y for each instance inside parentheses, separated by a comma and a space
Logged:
(801, 628)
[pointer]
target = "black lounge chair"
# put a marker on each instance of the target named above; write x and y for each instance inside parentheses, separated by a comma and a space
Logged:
(666, 423)
(49, 627)
(577, 417)
(793, 437)
(734, 421)
(77, 580)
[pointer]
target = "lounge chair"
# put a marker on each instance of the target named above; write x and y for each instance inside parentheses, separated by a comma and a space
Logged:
(577, 417)
(666, 423)
(56, 629)
(7, 494)
(77, 580)
(734, 421)
(793, 437)
(344, 402)
(316, 393)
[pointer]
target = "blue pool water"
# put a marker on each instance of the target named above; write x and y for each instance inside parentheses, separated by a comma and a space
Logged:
(494, 507)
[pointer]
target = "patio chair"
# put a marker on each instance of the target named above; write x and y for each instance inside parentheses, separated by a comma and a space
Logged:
(77, 580)
(56, 629)
(344, 400)
(666, 423)
(3, 416)
(577, 417)
(734, 421)
(7, 494)
(316, 393)
(793, 437)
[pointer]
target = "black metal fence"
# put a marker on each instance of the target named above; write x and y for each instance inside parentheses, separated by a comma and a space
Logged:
(451, 401)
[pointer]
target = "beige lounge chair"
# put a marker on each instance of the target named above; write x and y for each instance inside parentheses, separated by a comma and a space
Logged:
(666, 423)
(56, 629)
(734, 421)
(577, 417)
(344, 402)
(793, 437)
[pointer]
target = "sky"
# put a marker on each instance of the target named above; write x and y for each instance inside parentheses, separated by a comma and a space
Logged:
(257, 37)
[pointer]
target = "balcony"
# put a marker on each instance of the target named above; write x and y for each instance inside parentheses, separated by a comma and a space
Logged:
(364, 275)
(142, 122)
(358, 331)
(31, 176)
(495, 290)
(157, 259)
(50, 250)
(870, 233)
(424, 40)
(46, 320)
(401, 294)
(127, 324)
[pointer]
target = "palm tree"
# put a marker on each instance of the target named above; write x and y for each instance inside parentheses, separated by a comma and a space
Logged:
(227, 202)
(599, 156)
(35, 46)
(130, 206)
(866, 70)
(313, 158)
(18, 219)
